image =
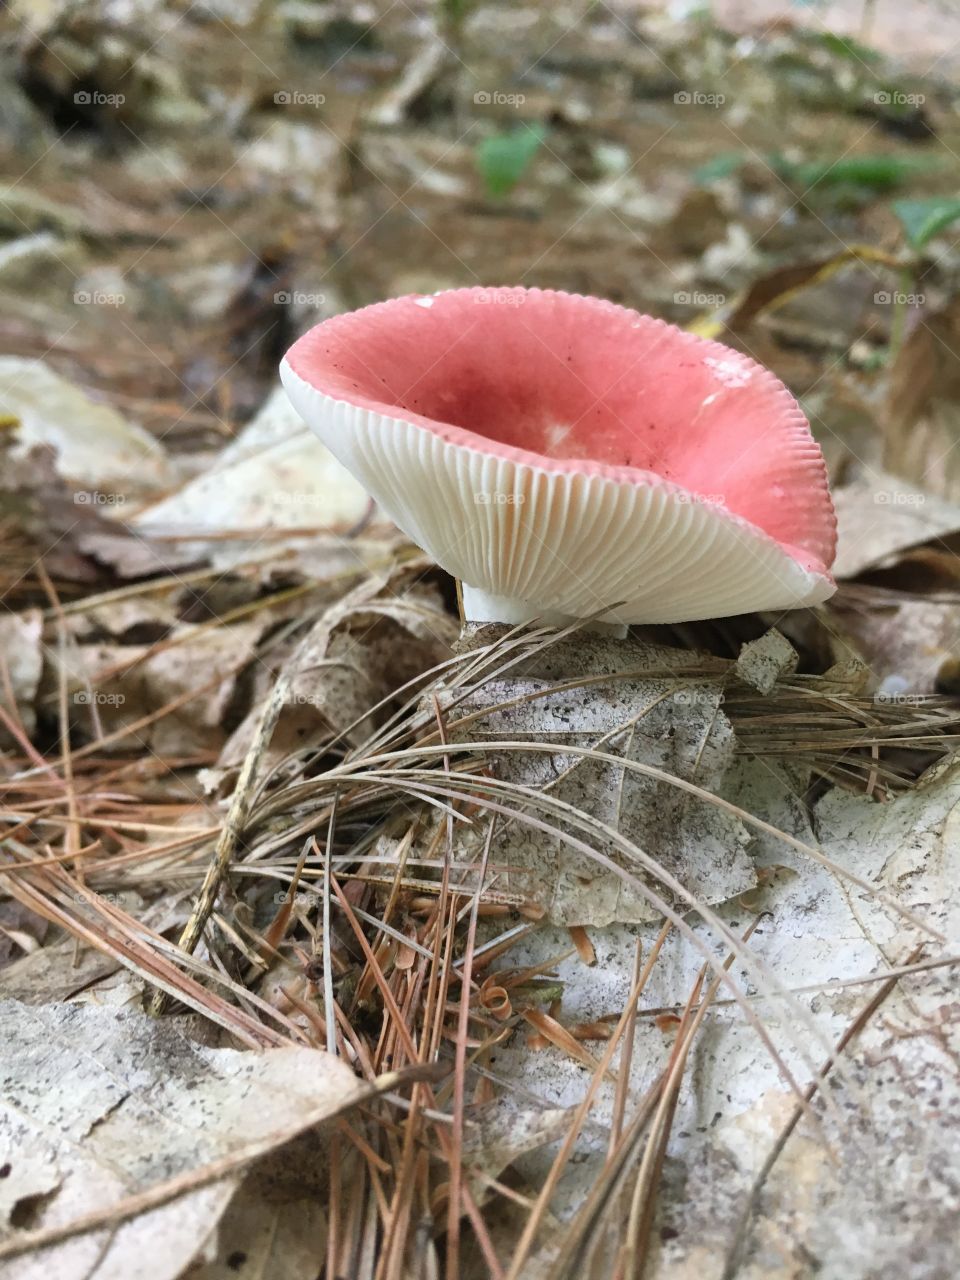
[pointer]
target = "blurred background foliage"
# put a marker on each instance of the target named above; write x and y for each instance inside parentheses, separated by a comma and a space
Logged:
(782, 176)
(191, 185)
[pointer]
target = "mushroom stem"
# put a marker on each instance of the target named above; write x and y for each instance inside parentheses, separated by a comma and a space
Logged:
(482, 606)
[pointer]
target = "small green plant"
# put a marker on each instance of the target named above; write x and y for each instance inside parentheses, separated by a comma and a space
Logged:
(723, 165)
(847, 47)
(861, 177)
(923, 219)
(504, 158)
(451, 20)
(869, 173)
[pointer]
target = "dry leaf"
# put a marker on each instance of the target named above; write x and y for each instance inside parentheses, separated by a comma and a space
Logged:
(498, 1133)
(923, 408)
(362, 649)
(108, 460)
(112, 686)
(879, 515)
(275, 1226)
(21, 663)
(671, 724)
(901, 1079)
(762, 662)
(100, 1105)
(276, 475)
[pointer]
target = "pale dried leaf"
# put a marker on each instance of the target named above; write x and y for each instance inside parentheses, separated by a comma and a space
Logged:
(671, 724)
(275, 475)
(108, 459)
(268, 1232)
(898, 1089)
(84, 1087)
(879, 515)
(20, 635)
(762, 662)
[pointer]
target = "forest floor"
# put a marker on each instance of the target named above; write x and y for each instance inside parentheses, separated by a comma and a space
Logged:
(285, 993)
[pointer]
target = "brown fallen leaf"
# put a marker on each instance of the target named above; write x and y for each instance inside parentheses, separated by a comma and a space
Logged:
(374, 640)
(778, 287)
(880, 515)
(112, 688)
(905, 640)
(923, 405)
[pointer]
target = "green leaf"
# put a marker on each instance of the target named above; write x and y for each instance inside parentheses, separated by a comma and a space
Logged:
(456, 10)
(923, 219)
(503, 158)
(880, 171)
(721, 166)
(847, 47)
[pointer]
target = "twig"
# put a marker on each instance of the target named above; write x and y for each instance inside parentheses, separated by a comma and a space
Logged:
(234, 824)
(460, 1052)
(328, 1007)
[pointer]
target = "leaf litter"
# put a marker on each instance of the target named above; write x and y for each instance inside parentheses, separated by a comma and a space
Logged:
(134, 1111)
(584, 934)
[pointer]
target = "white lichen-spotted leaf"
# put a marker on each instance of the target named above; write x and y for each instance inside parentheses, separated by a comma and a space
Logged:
(872, 1191)
(99, 1105)
(680, 730)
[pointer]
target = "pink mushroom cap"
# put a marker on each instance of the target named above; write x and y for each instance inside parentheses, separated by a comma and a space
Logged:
(563, 455)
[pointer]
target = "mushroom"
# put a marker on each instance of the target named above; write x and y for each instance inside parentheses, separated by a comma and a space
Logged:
(565, 457)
